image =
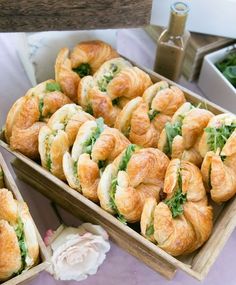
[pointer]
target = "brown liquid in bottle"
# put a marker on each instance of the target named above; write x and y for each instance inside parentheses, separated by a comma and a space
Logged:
(171, 45)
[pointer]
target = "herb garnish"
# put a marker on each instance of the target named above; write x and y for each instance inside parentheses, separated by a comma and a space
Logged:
(172, 130)
(105, 80)
(53, 86)
(89, 109)
(41, 104)
(175, 203)
(150, 230)
(122, 167)
(83, 70)
(217, 137)
(89, 143)
(152, 114)
(19, 230)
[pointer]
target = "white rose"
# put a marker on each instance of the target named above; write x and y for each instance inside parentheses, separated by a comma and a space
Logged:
(78, 252)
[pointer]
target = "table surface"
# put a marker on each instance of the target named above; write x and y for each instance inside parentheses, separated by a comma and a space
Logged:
(119, 267)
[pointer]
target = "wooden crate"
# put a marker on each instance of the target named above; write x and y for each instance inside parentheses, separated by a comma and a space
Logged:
(196, 264)
(23, 278)
(33, 15)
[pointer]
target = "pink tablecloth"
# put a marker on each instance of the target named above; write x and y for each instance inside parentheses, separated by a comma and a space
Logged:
(119, 267)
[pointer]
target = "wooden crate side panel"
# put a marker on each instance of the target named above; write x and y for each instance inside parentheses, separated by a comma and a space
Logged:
(32, 15)
(223, 228)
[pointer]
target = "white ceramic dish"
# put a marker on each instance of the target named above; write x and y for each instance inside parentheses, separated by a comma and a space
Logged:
(214, 85)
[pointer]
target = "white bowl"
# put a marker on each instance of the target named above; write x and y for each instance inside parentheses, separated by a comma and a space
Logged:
(214, 85)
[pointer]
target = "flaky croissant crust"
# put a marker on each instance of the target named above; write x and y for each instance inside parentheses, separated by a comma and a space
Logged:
(107, 147)
(185, 145)
(138, 119)
(29, 114)
(143, 178)
(188, 231)
(91, 53)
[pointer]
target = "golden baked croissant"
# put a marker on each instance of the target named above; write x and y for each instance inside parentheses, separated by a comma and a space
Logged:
(30, 113)
(18, 239)
(94, 147)
(59, 135)
(69, 118)
(133, 176)
(218, 147)
(179, 138)
(85, 59)
(143, 119)
(183, 221)
(113, 85)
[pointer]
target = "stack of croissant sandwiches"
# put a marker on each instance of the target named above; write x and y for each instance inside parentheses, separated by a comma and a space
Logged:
(18, 238)
(138, 149)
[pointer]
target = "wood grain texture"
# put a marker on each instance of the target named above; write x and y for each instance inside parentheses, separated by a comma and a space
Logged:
(32, 15)
(34, 271)
(196, 265)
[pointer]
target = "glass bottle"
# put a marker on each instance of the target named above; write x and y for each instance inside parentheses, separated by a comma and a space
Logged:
(171, 45)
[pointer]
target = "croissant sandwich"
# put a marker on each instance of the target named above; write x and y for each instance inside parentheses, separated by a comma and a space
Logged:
(135, 175)
(183, 221)
(112, 86)
(85, 59)
(94, 147)
(58, 136)
(179, 138)
(143, 119)
(30, 113)
(218, 147)
(18, 239)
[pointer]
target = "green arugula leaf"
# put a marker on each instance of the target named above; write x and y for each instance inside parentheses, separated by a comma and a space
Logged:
(122, 166)
(217, 137)
(227, 67)
(89, 109)
(112, 193)
(41, 104)
(172, 130)
(89, 143)
(150, 230)
(175, 203)
(53, 86)
(152, 114)
(230, 74)
(83, 70)
(19, 230)
(126, 157)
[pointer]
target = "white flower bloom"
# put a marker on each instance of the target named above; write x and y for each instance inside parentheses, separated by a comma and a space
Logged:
(78, 252)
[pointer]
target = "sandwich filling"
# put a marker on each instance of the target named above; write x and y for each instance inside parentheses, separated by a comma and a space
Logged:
(175, 203)
(83, 69)
(150, 228)
(217, 137)
(172, 130)
(50, 87)
(122, 167)
(89, 143)
(107, 77)
(48, 143)
(152, 112)
(19, 230)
